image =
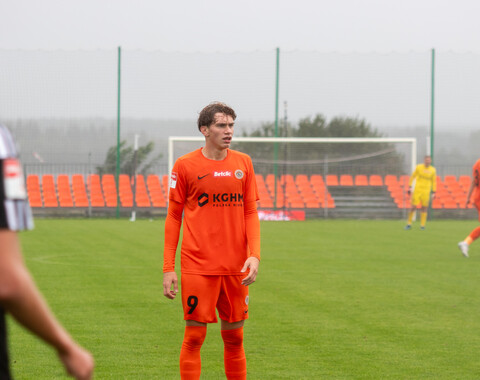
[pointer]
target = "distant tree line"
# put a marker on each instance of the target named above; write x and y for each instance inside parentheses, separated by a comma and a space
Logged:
(127, 160)
(338, 158)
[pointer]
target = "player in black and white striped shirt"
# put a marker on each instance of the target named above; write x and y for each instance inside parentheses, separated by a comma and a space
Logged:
(18, 294)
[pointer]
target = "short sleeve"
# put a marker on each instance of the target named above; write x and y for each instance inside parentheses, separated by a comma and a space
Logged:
(177, 188)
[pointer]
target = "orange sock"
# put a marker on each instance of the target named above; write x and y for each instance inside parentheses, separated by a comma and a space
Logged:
(474, 234)
(234, 354)
(190, 361)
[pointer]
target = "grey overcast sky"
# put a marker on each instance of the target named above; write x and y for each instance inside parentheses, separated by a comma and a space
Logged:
(223, 25)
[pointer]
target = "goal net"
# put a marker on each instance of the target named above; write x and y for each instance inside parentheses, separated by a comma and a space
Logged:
(352, 156)
(293, 160)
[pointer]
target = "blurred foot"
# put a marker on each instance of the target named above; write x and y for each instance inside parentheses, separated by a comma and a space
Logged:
(463, 248)
(408, 227)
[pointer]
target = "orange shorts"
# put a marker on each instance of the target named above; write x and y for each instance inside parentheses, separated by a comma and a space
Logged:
(201, 294)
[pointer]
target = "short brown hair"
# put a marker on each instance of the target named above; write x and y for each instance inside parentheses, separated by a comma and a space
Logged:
(207, 115)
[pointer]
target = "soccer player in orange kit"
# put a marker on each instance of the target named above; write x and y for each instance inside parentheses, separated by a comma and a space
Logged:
(216, 190)
(474, 186)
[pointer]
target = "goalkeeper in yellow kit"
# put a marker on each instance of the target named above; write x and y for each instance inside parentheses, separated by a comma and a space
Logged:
(426, 183)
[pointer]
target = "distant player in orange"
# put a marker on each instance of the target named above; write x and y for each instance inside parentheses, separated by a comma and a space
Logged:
(215, 188)
(425, 177)
(474, 189)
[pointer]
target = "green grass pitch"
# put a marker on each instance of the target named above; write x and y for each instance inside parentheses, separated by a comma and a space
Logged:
(334, 299)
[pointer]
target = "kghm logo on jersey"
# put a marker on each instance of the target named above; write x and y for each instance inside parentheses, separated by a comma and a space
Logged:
(238, 174)
(226, 173)
(221, 199)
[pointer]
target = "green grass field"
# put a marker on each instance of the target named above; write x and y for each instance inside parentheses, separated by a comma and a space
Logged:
(334, 299)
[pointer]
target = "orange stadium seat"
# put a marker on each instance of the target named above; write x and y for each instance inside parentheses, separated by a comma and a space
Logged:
(375, 180)
(155, 190)
(109, 188)
(450, 204)
(141, 194)
(49, 192)
(286, 179)
(464, 181)
(165, 185)
(346, 180)
(361, 180)
(449, 179)
(64, 192)
(265, 201)
(403, 180)
(391, 179)
(332, 180)
(95, 188)
(79, 193)
(33, 191)
(301, 179)
(125, 191)
(312, 204)
(264, 194)
(437, 203)
(317, 179)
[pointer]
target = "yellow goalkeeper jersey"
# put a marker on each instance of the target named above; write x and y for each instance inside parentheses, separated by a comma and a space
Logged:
(426, 178)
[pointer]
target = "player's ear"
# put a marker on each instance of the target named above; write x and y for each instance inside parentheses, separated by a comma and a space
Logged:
(205, 131)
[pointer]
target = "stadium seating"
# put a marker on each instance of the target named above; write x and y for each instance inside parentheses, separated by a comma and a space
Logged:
(155, 190)
(141, 194)
(49, 192)
(299, 191)
(346, 180)
(375, 180)
(79, 192)
(464, 182)
(65, 198)
(125, 191)
(95, 189)
(165, 185)
(109, 188)
(332, 180)
(360, 180)
(33, 191)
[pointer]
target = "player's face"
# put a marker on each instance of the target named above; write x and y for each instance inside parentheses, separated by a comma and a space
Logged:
(220, 133)
(427, 161)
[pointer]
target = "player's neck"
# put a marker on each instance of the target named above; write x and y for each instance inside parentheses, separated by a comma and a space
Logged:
(214, 154)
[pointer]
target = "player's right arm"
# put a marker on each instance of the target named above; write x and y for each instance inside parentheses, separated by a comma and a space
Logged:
(20, 297)
(173, 223)
(410, 182)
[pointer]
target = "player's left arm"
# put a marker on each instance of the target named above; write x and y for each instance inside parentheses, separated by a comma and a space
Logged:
(252, 227)
(173, 224)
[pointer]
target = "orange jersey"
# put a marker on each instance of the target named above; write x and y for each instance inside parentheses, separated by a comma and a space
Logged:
(476, 179)
(213, 194)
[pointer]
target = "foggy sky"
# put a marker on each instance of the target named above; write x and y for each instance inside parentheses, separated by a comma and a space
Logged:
(211, 25)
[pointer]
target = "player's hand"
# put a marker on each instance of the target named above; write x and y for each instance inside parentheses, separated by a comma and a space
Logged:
(433, 195)
(169, 279)
(77, 362)
(251, 263)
